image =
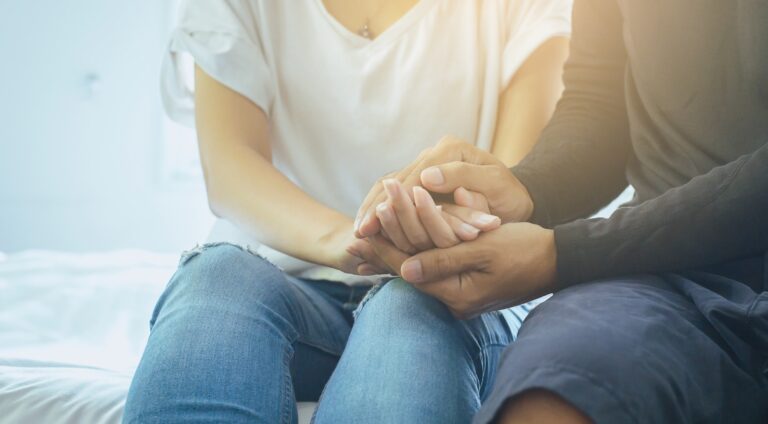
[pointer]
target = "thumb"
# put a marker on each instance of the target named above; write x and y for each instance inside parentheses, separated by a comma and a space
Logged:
(449, 176)
(471, 199)
(438, 264)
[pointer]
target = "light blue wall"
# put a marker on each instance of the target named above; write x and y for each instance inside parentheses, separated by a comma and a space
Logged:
(82, 130)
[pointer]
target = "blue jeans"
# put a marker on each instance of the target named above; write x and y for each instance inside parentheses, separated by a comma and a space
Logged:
(235, 339)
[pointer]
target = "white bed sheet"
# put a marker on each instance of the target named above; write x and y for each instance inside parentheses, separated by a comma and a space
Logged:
(72, 330)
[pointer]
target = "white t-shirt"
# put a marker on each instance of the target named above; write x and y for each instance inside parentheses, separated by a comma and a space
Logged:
(345, 110)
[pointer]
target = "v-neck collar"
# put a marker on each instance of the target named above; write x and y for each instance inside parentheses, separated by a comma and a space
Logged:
(392, 32)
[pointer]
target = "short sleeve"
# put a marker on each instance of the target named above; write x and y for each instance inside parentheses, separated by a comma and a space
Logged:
(222, 38)
(529, 24)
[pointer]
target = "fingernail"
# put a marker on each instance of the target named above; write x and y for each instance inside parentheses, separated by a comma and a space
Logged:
(382, 210)
(484, 219)
(364, 221)
(412, 271)
(421, 196)
(432, 176)
(390, 186)
(469, 229)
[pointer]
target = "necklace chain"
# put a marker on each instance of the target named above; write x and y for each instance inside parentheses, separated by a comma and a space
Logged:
(365, 29)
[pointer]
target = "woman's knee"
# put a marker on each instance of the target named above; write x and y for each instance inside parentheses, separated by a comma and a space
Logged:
(224, 276)
(398, 300)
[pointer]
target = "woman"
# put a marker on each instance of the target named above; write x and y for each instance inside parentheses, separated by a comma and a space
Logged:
(300, 107)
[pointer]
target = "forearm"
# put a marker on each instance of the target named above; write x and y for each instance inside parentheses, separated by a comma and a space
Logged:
(249, 191)
(246, 189)
(716, 217)
(527, 104)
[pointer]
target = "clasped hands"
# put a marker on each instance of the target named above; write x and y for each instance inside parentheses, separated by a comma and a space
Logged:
(472, 249)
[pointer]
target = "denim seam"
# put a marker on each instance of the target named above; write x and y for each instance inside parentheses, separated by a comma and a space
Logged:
(288, 402)
(320, 400)
(319, 345)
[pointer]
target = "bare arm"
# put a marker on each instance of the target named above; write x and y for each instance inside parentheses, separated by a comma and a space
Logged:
(245, 188)
(529, 101)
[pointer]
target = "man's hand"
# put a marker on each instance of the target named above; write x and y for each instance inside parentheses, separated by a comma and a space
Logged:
(502, 268)
(459, 168)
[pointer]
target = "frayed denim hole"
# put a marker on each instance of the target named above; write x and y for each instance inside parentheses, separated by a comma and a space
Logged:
(368, 296)
(188, 255)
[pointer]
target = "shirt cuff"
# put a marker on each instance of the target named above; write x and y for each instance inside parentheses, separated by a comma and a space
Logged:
(536, 190)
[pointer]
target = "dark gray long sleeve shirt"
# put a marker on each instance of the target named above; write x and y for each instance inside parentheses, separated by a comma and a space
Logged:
(670, 96)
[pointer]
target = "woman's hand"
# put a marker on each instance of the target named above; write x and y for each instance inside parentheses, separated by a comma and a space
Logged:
(414, 223)
(446, 168)
(345, 252)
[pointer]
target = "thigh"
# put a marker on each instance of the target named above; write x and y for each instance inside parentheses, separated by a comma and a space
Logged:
(238, 283)
(223, 336)
(409, 360)
(636, 349)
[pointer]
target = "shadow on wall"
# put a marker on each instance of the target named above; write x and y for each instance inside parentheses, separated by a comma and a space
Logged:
(87, 159)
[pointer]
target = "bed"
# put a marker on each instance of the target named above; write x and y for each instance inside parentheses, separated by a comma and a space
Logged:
(72, 329)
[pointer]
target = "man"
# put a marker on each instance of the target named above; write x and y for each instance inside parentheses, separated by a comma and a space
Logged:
(660, 312)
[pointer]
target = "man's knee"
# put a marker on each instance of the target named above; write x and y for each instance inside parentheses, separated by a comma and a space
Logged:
(540, 406)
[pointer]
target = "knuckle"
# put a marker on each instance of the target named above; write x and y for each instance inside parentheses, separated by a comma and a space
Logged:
(422, 243)
(447, 143)
(498, 173)
(443, 263)
(398, 207)
(405, 247)
(445, 242)
(450, 140)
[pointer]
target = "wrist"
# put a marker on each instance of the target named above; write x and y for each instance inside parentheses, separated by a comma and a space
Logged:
(526, 203)
(333, 242)
(522, 211)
